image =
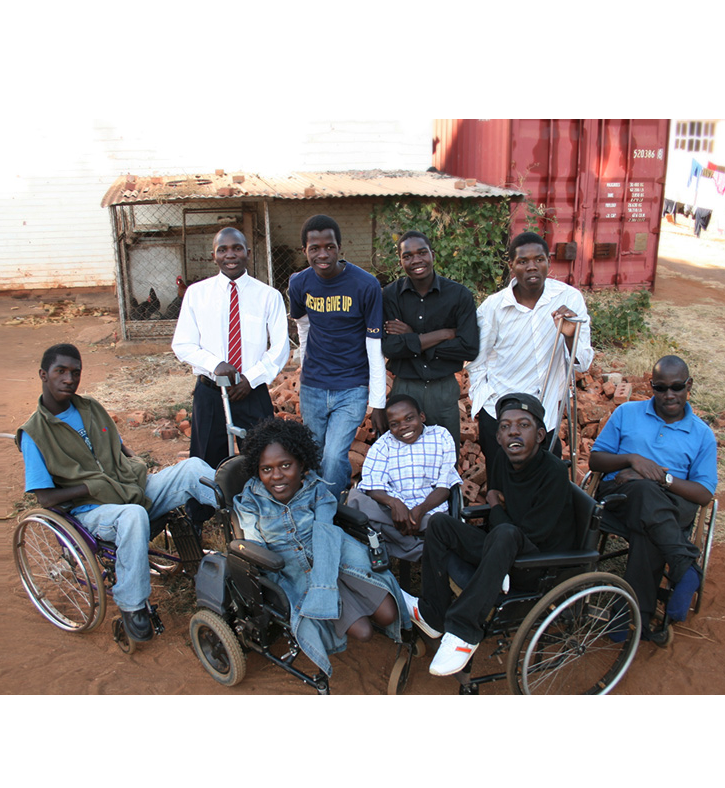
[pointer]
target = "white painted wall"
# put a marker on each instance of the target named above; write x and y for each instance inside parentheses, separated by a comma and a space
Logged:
(53, 232)
(679, 167)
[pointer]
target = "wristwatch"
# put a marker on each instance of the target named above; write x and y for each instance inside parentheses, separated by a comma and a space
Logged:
(667, 483)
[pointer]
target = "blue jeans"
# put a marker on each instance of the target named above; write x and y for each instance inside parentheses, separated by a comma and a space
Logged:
(333, 417)
(128, 525)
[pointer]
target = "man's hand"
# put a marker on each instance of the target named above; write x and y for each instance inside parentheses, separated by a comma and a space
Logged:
(417, 513)
(379, 420)
(401, 516)
(495, 498)
(239, 390)
(646, 469)
(397, 327)
(567, 328)
(225, 368)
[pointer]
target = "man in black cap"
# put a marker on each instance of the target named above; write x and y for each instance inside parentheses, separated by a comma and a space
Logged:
(531, 510)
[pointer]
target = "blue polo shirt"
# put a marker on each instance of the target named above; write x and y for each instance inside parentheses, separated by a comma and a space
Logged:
(687, 448)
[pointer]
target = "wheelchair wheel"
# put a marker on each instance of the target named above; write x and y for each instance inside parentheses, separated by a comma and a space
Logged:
(565, 644)
(217, 648)
(705, 548)
(120, 636)
(59, 572)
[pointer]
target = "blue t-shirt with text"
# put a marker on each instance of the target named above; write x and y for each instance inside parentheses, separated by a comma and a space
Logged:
(343, 312)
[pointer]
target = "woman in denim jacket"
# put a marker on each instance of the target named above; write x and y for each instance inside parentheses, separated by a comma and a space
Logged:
(288, 507)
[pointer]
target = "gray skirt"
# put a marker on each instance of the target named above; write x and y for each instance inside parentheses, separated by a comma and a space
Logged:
(359, 598)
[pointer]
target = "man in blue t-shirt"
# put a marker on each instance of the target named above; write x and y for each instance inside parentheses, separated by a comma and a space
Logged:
(664, 459)
(339, 314)
(74, 458)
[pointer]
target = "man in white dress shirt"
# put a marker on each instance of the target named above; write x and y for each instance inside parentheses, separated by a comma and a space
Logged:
(517, 327)
(202, 339)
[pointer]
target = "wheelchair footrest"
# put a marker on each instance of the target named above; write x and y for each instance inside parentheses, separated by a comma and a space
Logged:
(186, 541)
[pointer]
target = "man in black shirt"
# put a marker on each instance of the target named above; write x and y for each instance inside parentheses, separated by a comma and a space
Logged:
(531, 510)
(430, 329)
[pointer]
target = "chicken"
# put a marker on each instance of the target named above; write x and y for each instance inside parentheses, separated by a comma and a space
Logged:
(150, 309)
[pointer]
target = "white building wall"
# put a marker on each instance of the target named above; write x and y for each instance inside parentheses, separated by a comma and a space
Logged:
(679, 167)
(54, 232)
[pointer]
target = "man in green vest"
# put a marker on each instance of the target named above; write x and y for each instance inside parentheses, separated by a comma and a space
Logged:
(75, 459)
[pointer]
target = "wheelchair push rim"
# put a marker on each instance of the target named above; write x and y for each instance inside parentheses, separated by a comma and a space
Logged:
(565, 644)
(59, 572)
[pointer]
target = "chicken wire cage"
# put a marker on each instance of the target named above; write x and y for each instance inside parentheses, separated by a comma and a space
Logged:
(163, 248)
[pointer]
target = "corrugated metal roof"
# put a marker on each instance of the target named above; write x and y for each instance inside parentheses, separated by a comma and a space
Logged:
(129, 189)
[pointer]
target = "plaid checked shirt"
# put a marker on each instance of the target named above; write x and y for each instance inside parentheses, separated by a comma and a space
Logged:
(411, 471)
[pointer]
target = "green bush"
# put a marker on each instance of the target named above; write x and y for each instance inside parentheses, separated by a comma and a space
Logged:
(469, 239)
(617, 318)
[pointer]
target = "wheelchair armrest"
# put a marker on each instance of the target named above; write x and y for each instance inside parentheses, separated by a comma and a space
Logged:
(216, 489)
(608, 500)
(352, 521)
(563, 558)
(455, 502)
(356, 524)
(475, 511)
(256, 554)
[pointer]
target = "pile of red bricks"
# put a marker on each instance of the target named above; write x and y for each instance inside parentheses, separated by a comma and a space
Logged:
(598, 393)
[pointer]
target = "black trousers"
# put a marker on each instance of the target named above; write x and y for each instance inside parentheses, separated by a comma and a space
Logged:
(208, 426)
(487, 427)
(655, 522)
(209, 430)
(493, 555)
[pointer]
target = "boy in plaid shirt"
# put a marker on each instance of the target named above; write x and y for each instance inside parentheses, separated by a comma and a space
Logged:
(406, 477)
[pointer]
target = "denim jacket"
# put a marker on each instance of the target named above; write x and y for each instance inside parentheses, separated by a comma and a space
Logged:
(297, 531)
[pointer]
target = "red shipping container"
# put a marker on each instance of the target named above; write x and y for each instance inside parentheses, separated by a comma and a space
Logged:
(598, 183)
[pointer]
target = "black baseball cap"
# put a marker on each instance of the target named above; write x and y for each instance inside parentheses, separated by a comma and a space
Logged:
(520, 401)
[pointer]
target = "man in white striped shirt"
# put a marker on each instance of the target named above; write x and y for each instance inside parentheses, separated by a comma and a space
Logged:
(517, 328)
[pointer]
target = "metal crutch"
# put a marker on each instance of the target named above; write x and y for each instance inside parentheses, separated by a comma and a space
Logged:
(224, 382)
(571, 393)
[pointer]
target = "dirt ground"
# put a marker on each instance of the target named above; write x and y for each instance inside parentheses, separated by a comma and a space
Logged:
(39, 659)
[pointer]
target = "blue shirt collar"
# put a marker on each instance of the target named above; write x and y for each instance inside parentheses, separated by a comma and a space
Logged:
(684, 424)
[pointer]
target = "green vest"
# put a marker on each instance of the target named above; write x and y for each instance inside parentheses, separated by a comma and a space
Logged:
(111, 476)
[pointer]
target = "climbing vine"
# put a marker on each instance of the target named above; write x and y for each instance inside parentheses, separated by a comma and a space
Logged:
(469, 238)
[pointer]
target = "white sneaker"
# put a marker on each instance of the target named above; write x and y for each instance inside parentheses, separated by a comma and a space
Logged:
(411, 603)
(452, 655)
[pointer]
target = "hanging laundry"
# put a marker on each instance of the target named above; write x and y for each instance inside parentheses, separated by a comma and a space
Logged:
(718, 175)
(702, 219)
(695, 172)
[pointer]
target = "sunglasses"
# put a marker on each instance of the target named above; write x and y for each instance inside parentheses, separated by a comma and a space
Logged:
(660, 388)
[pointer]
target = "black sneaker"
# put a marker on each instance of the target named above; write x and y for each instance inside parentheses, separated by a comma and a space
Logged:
(137, 624)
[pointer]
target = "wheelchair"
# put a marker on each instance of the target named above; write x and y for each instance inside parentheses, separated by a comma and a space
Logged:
(68, 573)
(241, 610)
(701, 534)
(556, 620)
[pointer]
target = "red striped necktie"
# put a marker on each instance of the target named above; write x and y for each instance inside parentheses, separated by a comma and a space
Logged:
(235, 330)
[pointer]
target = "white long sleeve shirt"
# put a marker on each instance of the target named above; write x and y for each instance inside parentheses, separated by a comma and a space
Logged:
(202, 330)
(376, 363)
(516, 344)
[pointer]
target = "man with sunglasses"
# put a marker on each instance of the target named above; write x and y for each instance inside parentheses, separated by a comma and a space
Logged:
(664, 458)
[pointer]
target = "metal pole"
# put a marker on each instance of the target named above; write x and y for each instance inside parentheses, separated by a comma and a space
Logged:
(224, 383)
(559, 325)
(570, 370)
